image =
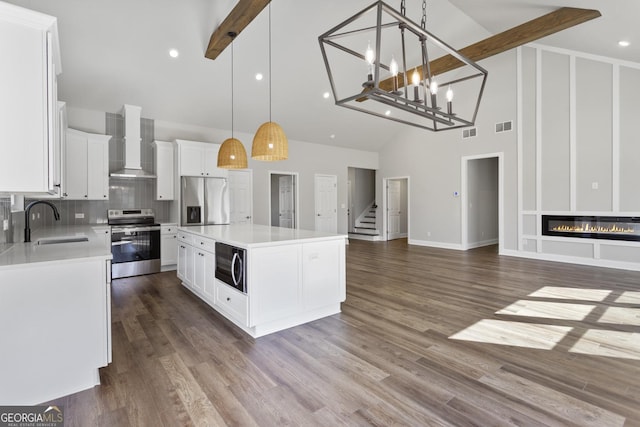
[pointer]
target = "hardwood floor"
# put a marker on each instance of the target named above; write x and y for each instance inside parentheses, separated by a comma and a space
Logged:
(426, 337)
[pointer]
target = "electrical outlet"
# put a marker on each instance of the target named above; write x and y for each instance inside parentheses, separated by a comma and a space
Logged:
(5, 224)
(594, 185)
(33, 217)
(79, 215)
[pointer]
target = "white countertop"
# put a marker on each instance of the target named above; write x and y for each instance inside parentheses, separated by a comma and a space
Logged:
(14, 254)
(253, 235)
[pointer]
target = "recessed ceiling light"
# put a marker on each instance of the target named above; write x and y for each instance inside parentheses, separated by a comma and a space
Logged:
(387, 113)
(259, 76)
(326, 95)
(332, 136)
(174, 53)
(623, 43)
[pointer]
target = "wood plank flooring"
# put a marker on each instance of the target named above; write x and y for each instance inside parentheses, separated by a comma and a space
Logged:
(426, 337)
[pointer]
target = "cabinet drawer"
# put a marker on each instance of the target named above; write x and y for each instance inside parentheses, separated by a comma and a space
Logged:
(231, 302)
(168, 228)
(186, 237)
(205, 244)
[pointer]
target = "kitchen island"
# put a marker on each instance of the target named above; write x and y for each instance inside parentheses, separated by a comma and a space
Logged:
(292, 276)
(55, 307)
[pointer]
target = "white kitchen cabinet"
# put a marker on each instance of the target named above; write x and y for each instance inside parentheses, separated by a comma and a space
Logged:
(104, 233)
(86, 166)
(165, 181)
(28, 105)
(199, 159)
(196, 264)
(168, 246)
(231, 302)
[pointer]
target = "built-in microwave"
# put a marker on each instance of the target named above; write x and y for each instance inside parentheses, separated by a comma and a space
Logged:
(231, 266)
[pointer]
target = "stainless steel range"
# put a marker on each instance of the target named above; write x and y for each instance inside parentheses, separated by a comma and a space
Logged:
(135, 242)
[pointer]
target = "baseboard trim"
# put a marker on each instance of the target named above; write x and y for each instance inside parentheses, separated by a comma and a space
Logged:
(441, 245)
(473, 245)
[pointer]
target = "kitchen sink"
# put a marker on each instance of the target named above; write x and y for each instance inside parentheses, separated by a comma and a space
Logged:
(57, 240)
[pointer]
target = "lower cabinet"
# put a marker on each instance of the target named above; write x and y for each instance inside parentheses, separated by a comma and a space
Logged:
(104, 233)
(197, 264)
(168, 246)
(231, 302)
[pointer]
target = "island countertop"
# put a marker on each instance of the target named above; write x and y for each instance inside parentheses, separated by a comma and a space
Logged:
(255, 235)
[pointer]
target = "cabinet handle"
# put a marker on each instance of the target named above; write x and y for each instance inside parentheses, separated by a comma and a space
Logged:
(105, 196)
(85, 196)
(228, 298)
(175, 237)
(160, 197)
(65, 194)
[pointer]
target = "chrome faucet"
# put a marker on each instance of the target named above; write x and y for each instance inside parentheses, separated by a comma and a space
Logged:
(27, 210)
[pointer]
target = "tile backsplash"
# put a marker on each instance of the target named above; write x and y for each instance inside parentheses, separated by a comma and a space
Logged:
(124, 193)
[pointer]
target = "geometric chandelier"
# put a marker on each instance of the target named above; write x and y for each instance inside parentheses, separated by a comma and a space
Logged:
(380, 62)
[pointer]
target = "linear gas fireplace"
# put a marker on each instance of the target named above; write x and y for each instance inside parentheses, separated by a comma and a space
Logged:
(592, 227)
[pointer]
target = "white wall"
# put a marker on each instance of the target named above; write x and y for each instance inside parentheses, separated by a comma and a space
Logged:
(432, 161)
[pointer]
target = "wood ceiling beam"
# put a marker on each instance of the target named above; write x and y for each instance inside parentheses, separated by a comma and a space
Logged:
(553, 22)
(238, 19)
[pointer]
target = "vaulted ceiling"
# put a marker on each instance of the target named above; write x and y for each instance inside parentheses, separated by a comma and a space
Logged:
(116, 52)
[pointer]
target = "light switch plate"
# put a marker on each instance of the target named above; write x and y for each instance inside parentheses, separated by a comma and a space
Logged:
(79, 215)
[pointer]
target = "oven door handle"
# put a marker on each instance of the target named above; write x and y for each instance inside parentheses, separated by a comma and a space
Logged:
(134, 229)
(233, 268)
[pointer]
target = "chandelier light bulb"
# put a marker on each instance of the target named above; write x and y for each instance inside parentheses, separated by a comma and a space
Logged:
(433, 86)
(393, 67)
(369, 55)
(415, 77)
(449, 94)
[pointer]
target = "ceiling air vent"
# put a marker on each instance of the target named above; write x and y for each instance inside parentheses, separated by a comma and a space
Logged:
(469, 133)
(504, 126)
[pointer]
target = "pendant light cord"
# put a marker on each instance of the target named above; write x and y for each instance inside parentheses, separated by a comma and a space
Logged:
(269, 61)
(233, 35)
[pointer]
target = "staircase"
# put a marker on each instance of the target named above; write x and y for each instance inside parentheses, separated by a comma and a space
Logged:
(365, 227)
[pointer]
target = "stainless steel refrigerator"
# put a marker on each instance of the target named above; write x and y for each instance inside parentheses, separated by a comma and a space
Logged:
(204, 201)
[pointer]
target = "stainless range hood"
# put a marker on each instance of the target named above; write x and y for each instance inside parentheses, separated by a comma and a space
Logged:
(132, 144)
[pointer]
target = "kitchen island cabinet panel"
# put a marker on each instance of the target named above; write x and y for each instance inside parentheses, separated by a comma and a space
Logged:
(323, 272)
(274, 281)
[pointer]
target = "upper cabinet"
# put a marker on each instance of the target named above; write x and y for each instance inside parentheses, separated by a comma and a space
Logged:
(86, 166)
(29, 135)
(165, 170)
(199, 159)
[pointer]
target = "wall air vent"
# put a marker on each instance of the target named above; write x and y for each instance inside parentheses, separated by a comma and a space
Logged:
(469, 133)
(504, 126)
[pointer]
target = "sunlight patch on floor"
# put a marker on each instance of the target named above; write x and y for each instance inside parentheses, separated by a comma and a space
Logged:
(621, 316)
(572, 293)
(529, 335)
(599, 342)
(629, 298)
(548, 310)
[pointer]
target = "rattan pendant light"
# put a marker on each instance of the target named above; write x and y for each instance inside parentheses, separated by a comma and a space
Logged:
(232, 154)
(270, 142)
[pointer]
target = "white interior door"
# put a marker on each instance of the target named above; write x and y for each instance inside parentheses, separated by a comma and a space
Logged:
(326, 195)
(393, 210)
(286, 201)
(240, 196)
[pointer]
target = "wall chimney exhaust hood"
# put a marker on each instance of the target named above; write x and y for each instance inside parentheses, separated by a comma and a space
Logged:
(132, 144)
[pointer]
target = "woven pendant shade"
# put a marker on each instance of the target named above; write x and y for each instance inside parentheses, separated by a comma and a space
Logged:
(232, 155)
(270, 143)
